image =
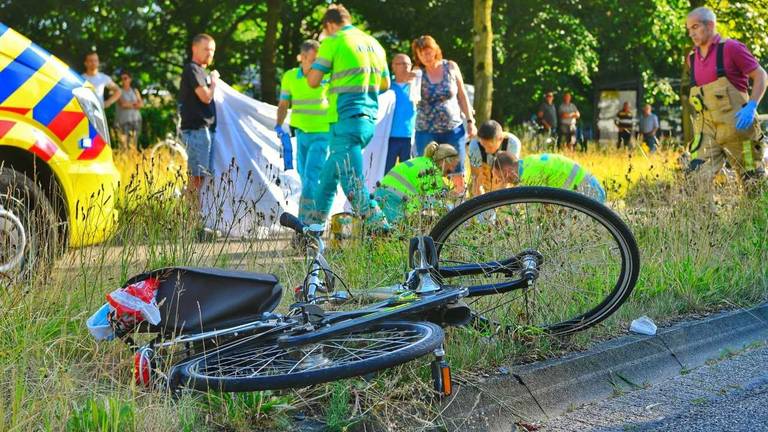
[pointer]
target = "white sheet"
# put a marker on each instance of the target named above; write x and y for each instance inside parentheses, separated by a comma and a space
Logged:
(250, 189)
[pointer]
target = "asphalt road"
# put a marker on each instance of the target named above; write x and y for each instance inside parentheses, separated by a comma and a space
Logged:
(728, 394)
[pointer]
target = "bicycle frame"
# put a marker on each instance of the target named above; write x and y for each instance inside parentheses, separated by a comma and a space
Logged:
(345, 322)
(508, 267)
(420, 294)
(319, 264)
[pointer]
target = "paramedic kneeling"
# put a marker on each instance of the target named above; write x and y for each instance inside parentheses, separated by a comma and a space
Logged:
(552, 170)
(410, 185)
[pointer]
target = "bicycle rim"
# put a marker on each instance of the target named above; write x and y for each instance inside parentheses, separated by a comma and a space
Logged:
(590, 260)
(170, 155)
(255, 365)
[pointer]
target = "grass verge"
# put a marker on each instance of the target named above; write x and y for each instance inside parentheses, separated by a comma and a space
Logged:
(700, 254)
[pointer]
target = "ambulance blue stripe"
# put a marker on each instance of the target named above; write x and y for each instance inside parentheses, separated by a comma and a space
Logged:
(3, 29)
(52, 103)
(19, 71)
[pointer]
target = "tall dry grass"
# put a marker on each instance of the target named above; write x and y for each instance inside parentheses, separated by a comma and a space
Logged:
(700, 254)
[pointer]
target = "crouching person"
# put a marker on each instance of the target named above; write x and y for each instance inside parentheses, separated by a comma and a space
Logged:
(552, 170)
(408, 186)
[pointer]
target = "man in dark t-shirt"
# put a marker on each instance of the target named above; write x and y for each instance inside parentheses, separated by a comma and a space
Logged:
(625, 122)
(198, 113)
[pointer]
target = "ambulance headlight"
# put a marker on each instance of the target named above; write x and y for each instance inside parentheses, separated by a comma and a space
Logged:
(93, 110)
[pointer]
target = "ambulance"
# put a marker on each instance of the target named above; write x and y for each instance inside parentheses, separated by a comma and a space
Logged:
(58, 182)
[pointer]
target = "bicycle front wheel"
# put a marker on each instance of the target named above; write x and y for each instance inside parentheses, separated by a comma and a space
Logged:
(252, 364)
(589, 260)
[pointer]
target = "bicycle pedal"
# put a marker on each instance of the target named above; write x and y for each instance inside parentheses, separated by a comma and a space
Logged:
(441, 375)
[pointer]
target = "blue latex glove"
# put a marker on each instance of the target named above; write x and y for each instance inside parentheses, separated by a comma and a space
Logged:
(280, 132)
(285, 140)
(746, 115)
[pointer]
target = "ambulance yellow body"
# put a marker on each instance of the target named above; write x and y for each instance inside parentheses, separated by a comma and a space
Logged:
(57, 178)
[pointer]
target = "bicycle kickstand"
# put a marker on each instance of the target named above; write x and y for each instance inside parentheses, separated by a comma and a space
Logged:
(441, 373)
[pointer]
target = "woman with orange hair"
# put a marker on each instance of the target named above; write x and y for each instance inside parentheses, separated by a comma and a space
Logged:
(443, 103)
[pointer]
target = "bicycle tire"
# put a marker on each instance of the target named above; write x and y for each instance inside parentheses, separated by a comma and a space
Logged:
(552, 202)
(225, 368)
(168, 152)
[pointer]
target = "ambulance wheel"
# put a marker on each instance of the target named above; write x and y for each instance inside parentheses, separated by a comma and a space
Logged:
(29, 237)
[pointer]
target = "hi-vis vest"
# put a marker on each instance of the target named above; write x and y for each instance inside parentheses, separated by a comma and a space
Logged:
(551, 170)
(309, 106)
(357, 64)
(413, 178)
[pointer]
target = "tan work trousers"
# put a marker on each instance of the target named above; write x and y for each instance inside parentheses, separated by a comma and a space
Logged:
(714, 125)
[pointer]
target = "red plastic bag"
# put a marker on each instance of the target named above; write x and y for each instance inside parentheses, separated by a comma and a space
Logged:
(134, 304)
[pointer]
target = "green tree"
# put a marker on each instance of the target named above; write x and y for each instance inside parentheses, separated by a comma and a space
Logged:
(536, 44)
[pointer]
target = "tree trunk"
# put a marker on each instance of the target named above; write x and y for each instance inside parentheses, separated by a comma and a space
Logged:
(482, 34)
(268, 67)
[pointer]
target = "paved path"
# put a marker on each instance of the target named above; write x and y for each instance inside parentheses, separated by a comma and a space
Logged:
(228, 253)
(729, 394)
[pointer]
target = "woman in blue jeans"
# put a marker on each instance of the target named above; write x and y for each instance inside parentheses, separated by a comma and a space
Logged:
(443, 102)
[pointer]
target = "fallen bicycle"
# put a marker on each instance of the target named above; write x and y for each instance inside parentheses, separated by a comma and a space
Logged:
(563, 263)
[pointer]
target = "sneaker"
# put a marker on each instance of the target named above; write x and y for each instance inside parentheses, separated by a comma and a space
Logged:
(376, 222)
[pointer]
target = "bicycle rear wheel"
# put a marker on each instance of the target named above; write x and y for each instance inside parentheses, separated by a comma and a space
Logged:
(169, 154)
(251, 364)
(589, 258)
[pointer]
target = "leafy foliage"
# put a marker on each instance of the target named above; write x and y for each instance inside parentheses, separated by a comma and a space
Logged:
(574, 45)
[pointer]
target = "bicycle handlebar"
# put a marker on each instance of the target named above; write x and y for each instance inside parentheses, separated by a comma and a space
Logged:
(290, 221)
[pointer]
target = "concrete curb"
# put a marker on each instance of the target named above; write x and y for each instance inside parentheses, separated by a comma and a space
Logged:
(549, 388)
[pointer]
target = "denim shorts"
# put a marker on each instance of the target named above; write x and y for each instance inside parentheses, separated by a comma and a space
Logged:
(199, 144)
(456, 137)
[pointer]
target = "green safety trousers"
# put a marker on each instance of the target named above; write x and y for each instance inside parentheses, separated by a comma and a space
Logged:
(312, 149)
(348, 138)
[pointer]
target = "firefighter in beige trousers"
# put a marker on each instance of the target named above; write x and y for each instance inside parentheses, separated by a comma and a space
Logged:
(725, 116)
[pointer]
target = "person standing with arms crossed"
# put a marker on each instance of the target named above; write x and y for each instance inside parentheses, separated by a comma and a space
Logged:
(358, 68)
(309, 119)
(127, 114)
(569, 114)
(724, 118)
(198, 113)
(547, 115)
(649, 126)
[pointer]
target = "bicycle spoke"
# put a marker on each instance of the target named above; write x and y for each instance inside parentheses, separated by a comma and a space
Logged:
(272, 360)
(581, 260)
